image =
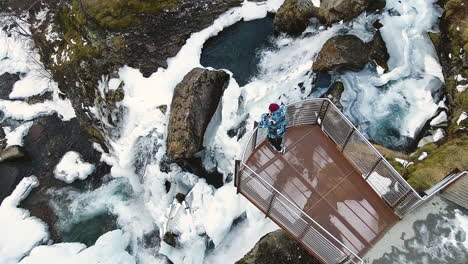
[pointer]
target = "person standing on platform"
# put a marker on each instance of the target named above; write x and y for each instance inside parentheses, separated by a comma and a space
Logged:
(275, 122)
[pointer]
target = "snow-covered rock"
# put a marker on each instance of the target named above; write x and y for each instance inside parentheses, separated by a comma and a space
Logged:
(72, 167)
(19, 232)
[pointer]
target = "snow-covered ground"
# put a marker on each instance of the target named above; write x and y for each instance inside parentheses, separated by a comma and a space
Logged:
(136, 192)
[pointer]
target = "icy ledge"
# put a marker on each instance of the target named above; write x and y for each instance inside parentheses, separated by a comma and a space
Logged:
(19, 231)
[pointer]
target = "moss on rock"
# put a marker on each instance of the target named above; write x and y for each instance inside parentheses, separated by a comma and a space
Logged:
(441, 160)
(117, 14)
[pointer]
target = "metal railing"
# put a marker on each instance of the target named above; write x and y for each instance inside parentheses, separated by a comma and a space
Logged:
(373, 167)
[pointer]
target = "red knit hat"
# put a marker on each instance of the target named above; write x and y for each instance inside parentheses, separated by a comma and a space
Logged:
(273, 107)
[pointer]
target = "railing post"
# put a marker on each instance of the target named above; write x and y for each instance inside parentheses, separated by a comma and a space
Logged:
(347, 139)
(269, 206)
(402, 198)
(236, 175)
(324, 112)
(254, 138)
(373, 168)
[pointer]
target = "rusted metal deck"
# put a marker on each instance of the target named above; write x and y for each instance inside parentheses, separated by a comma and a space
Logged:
(316, 176)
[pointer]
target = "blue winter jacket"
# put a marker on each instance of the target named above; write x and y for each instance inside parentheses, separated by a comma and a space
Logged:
(275, 123)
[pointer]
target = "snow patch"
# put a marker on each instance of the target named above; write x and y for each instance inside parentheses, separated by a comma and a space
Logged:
(15, 137)
(20, 110)
(403, 162)
(462, 117)
(436, 136)
(442, 117)
(423, 156)
(72, 167)
(462, 88)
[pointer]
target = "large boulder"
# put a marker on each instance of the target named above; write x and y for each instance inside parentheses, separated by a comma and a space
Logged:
(193, 105)
(345, 52)
(336, 10)
(348, 52)
(279, 248)
(293, 17)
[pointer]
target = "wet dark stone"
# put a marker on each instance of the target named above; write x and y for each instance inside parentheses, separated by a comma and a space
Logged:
(7, 80)
(180, 197)
(167, 184)
(170, 239)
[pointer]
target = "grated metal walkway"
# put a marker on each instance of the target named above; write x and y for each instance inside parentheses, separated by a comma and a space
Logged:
(319, 180)
(457, 192)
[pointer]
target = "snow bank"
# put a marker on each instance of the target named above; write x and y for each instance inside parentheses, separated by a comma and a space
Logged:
(109, 248)
(17, 54)
(23, 111)
(15, 137)
(19, 231)
(72, 167)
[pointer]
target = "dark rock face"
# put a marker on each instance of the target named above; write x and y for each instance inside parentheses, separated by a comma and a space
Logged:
(194, 102)
(170, 239)
(378, 51)
(336, 10)
(293, 17)
(346, 52)
(7, 80)
(334, 94)
(277, 247)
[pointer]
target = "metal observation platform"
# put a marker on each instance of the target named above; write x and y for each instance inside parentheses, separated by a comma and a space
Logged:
(331, 190)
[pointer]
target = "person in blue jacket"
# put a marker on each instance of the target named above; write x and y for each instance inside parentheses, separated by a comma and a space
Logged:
(275, 122)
